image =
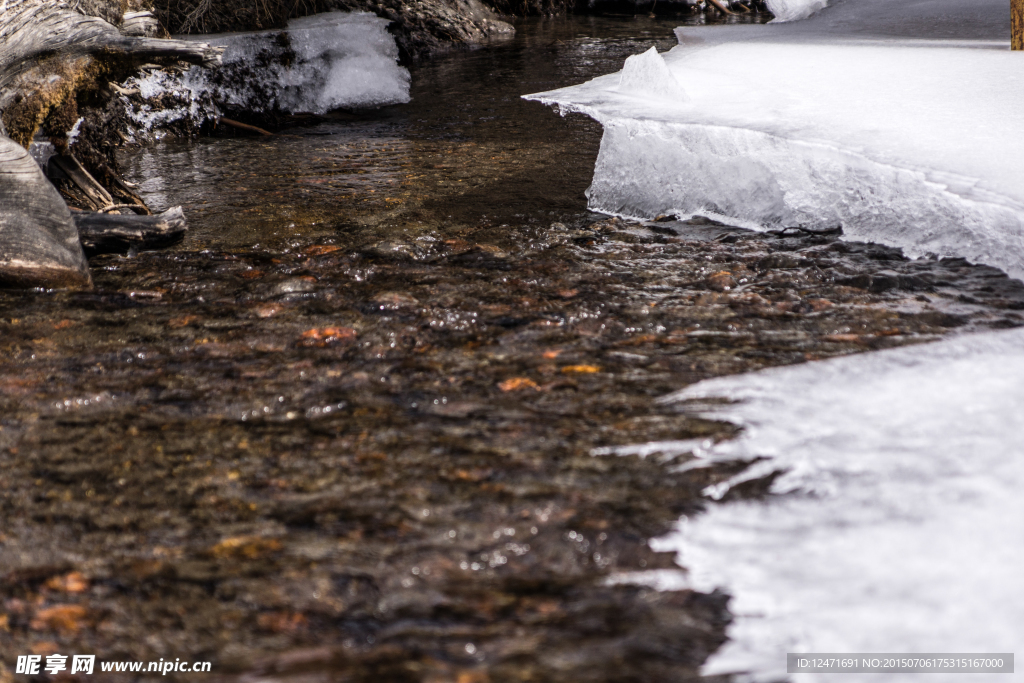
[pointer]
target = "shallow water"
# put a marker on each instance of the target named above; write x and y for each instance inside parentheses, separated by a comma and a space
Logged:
(345, 430)
(465, 154)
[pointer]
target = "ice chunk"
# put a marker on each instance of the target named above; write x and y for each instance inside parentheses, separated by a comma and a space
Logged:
(647, 75)
(322, 62)
(899, 514)
(912, 142)
(794, 10)
(340, 59)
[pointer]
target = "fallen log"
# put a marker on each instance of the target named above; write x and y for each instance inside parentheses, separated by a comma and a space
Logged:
(142, 24)
(48, 54)
(35, 29)
(104, 233)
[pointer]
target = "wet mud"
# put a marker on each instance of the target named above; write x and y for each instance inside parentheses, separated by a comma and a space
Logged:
(346, 431)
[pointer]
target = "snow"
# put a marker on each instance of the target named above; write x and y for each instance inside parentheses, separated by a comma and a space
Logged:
(646, 76)
(319, 63)
(897, 516)
(908, 140)
(794, 10)
(898, 519)
(342, 59)
(41, 150)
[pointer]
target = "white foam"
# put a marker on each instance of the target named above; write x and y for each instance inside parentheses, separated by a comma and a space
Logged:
(899, 517)
(324, 62)
(911, 141)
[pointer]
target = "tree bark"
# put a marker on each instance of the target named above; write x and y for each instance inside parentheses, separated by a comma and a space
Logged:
(47, 54)
(1017, 24)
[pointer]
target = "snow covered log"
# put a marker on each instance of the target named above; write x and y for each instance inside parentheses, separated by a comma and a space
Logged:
(48, 54)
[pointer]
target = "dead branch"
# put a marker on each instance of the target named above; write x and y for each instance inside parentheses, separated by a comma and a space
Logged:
(243, 126)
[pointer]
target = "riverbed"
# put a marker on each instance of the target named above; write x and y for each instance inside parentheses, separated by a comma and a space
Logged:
(362, 423)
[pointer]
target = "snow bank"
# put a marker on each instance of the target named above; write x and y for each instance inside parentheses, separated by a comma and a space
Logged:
(896, 524)
(900, 512)
(322, 62)
(911, 141)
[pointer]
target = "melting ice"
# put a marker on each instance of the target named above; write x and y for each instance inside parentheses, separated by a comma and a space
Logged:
(908, 140)
(319, 63)
(898, 519)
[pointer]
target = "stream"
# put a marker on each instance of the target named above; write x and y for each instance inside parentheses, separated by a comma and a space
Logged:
(375, 418)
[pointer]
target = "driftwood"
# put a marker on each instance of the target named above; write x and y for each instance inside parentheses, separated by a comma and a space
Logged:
(48, 52)
(90, 192)
(142, 24)
(103, 233)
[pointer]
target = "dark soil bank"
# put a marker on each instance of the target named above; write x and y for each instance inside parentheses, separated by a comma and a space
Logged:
(344, 432)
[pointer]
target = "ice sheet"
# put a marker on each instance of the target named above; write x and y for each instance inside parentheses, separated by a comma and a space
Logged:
(899, 519)
(899, 516)
(322, 62)
(911, 141)
(946, 20)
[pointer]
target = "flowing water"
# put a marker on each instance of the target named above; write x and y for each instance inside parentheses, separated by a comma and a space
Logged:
(362, 423)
